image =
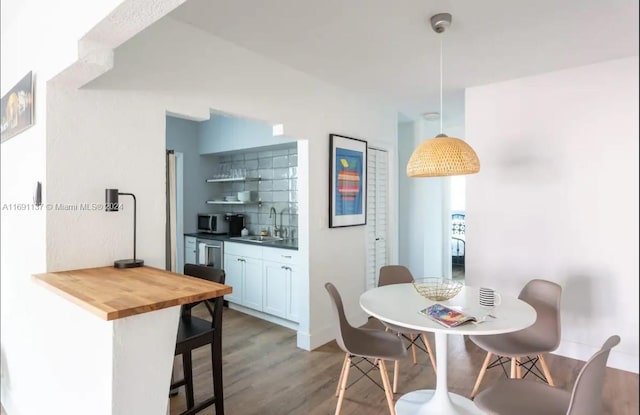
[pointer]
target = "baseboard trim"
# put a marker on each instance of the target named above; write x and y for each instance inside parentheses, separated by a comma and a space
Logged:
(268, 317)
(617, 359)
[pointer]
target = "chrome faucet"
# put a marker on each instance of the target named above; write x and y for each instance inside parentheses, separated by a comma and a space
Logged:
(283, 230)
(273, 213)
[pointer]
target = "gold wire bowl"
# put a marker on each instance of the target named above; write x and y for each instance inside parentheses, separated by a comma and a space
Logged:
(437, 289)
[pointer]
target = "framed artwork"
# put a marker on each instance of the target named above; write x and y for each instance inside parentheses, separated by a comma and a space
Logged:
(17, 108)
(348, 181)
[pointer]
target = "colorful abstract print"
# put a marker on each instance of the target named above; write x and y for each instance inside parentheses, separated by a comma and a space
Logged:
(348, 176)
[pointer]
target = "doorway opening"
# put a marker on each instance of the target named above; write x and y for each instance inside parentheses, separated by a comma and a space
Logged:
(458, 215)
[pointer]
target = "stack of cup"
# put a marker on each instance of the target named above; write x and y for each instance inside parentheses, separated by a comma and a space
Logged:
(489, 297)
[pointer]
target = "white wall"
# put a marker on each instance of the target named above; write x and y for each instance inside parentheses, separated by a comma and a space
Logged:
(33, 345)
(557, 197)
(407, 247)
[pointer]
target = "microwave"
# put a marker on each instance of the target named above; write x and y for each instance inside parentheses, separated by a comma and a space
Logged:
(212, 223)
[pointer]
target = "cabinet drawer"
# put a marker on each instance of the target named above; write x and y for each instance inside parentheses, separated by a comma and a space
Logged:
(247, 250)
(286, 256)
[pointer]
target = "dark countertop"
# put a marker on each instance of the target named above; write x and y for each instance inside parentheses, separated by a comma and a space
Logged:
(286, 244)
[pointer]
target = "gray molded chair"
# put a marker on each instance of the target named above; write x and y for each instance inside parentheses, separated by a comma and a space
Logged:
(525, 348)
(525, 397)
(399, 274)
(369, 345)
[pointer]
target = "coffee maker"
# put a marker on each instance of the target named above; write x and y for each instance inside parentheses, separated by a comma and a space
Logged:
(236, 223)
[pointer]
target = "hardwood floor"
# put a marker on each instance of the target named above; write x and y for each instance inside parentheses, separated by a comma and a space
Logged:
(457, 272)
(264, 373)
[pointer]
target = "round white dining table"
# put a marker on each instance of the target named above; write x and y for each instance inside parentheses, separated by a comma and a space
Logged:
(400, 304)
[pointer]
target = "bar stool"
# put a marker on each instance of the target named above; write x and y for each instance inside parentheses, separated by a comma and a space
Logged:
(193, 333)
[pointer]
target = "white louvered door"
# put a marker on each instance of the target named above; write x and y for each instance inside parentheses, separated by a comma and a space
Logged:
(377, 201)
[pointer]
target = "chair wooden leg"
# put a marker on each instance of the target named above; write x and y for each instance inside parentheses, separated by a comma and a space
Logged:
(513, 368)
(545, 370)
(518, 368)
(413, 349)
(188, 378)
(344, 365)
(396, 371)
(483, 370)
(387, 386)
(343, 385)
(432, 357)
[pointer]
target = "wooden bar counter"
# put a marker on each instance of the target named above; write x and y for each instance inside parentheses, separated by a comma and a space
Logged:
(114, 335)
(113, 293)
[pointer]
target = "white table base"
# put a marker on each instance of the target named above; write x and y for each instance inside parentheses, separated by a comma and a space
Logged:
(424, 402)
(438, 401)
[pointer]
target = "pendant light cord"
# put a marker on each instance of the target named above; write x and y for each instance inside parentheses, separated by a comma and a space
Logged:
(441, 111)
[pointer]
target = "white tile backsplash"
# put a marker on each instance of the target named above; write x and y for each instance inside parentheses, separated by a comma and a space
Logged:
(277, 188)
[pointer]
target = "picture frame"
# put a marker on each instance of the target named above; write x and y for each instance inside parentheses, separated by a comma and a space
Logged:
(16, 108)
(347, 181)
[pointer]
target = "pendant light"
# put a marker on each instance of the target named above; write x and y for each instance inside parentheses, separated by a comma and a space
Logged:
(442, 155)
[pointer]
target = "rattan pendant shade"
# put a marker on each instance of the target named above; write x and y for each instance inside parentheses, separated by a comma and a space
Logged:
(443, 156)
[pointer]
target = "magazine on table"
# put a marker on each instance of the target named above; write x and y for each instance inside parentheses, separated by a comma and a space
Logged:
(446, 316)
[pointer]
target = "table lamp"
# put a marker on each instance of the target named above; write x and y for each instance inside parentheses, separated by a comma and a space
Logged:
(112, 205)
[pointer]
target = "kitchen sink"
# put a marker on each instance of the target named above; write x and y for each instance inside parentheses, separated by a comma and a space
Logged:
(257, 238)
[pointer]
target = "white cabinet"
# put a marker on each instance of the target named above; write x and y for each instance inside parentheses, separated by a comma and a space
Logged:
(189, 250)
(253, 283)
(276, 278)
(243, 269)
(264, 279)
(233, 270)
(281, 283)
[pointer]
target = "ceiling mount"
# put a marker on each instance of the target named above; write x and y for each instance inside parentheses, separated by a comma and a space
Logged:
(431, 116)
(440, 22)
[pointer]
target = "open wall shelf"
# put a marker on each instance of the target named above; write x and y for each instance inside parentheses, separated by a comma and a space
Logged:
(234, 179)
(234, 202)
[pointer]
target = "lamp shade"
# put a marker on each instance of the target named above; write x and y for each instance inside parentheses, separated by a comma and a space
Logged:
(111, 200)
(443, 156)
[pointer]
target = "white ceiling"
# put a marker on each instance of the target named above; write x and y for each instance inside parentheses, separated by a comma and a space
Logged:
(388, 50)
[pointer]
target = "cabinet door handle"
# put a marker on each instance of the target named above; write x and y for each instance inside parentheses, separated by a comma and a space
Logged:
(286, 256)
(241, 259)
(285, 267)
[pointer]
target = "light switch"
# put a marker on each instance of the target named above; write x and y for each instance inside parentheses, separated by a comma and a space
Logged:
(37, 194)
